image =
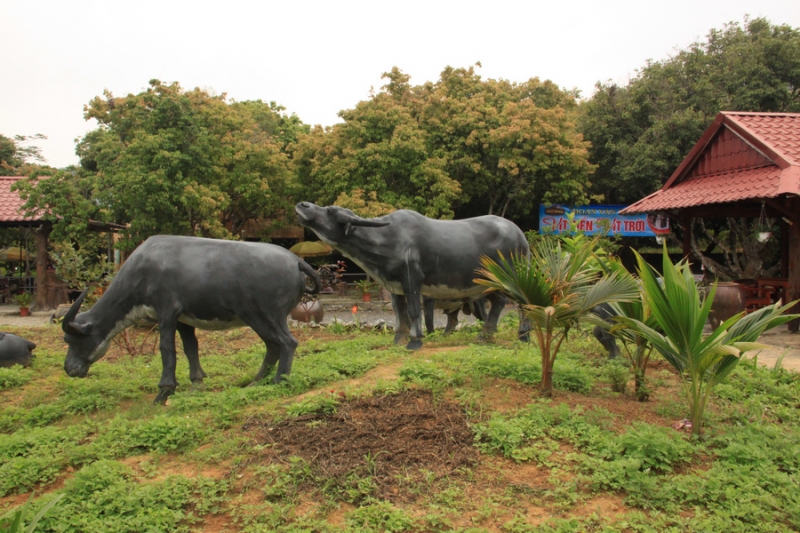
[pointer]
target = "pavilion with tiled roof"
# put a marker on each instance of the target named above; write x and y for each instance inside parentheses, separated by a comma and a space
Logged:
(12, 215)
(744, 164)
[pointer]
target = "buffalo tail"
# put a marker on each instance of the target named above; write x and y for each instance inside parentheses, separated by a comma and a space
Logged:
(305, 268)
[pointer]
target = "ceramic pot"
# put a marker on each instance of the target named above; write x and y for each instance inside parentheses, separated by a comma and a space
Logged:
(366, 297)
(24, 311)
(308, 311)
(728, 300)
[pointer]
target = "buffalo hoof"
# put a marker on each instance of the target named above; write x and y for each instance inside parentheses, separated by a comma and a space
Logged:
(485, 337)
(400, 338)
(165, 393)
(198, 385)
(414, 344)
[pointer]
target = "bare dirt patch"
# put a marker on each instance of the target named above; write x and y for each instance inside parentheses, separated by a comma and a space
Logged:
(626, 408)
(385, 438)
(503, 395)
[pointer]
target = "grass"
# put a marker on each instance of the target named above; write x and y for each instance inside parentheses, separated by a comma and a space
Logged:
(589, 459)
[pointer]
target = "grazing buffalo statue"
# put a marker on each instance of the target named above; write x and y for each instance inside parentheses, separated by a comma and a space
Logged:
(15, 350)
(183, 283)
(413, 256)
(605, 338)
(451, 309)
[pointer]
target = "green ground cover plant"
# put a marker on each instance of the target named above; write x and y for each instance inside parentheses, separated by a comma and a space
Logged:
(587, 459)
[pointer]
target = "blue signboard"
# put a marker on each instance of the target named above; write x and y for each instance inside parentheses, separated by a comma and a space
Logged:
(592, 219)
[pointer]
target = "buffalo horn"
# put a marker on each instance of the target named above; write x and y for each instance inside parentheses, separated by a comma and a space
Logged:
(348, 217)
(72, 313)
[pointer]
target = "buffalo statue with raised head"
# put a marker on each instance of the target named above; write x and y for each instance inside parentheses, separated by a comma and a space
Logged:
(183, 283)
(15, 351)
(413, 256)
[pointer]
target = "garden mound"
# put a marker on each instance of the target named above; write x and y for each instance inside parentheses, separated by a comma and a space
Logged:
(397, 440)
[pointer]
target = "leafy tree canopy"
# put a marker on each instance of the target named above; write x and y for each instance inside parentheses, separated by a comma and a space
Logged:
(169, 160)
(641, 132)
(18, 158)
(460, 143)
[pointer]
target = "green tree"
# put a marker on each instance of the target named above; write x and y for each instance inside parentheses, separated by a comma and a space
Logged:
(509, 145)
(169, 160)
(18, 158)
(368, 207)
(460, 143)
(702, 361)
(379, 148)
(641, 132)
(556, 289)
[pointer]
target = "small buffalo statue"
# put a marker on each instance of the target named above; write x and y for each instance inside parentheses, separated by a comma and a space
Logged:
(602, 335)
(15, 350)
(183, 283)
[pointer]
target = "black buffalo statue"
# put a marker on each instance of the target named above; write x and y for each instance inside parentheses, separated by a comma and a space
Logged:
(605, 338)
(414, 256)
(183, 283)
(15, 351)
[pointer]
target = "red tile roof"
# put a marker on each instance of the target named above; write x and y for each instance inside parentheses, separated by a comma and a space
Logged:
(10, 202)
(779, 130)
(740, 156)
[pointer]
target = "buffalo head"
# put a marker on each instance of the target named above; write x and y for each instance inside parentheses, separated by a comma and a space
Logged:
(83, 348)
(332, 223)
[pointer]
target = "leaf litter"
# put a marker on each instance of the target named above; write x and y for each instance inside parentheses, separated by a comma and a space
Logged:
(397, 440)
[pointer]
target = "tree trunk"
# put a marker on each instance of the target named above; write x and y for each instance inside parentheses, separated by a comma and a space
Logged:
(42, 235)
(546, 387)
(746, 264)
(641, 393)
(545, 347)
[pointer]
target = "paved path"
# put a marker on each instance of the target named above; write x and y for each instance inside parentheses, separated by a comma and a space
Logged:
(780, 340)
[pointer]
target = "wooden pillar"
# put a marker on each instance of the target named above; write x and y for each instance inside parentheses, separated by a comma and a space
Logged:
(687, 234)
(794, 262)
(785, 229)
(42, 237)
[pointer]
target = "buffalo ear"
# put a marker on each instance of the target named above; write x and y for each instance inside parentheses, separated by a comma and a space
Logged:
(83, 329)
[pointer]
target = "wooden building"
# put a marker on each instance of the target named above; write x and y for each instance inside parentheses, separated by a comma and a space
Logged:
(744, 164)
(12, 216)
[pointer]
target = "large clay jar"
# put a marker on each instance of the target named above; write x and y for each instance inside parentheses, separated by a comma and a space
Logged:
(728, 300)
(308, 311)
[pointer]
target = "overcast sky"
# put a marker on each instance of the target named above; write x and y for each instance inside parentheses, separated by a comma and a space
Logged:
(318, 57)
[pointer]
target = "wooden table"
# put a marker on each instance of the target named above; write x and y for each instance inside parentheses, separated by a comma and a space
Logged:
(776, 286)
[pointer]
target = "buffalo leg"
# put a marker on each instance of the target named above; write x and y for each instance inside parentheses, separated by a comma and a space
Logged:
(608, 341)
(415, 318)
(190, 348)
(498, 301)
(452, 322)
(524, 331)
(402, 326)
(281, 346)
(168, 383)
(428, 310)
(478, 308)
